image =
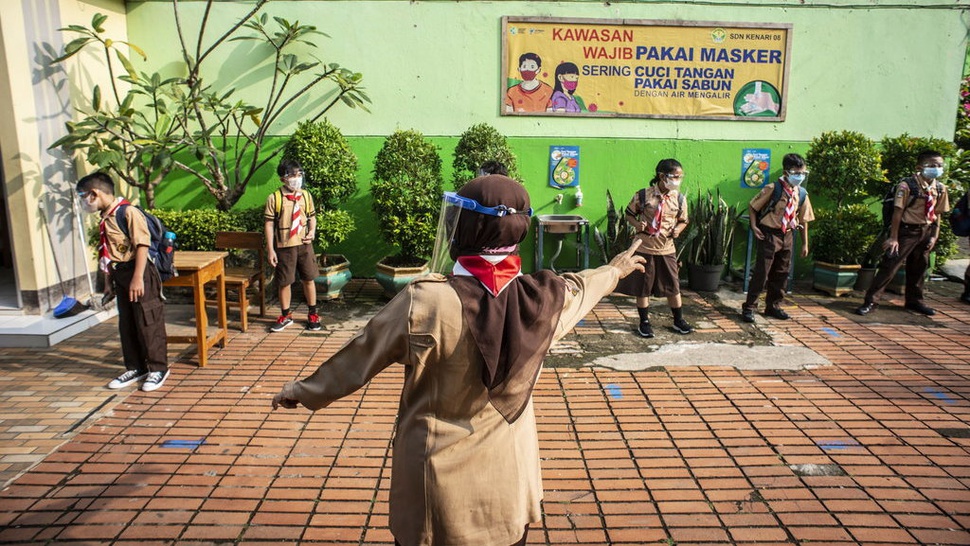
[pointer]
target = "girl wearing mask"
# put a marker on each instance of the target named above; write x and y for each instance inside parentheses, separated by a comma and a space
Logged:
(658, 213)
(563, 95)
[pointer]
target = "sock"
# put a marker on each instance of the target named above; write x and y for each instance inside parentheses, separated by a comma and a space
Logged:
(678, 313)
(286, 312)
(644, 314)
(313, 309)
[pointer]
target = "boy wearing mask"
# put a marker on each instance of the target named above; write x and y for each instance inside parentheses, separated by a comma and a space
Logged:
(774, 217)
(290, 228)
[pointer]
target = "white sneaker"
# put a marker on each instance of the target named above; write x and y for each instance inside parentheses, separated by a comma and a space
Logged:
(154, 381)
(126, 379)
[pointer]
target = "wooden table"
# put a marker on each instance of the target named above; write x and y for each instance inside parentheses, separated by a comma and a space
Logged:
(195, 270)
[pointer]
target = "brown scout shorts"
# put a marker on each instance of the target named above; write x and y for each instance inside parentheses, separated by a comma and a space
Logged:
(292, 259)
(658, 279)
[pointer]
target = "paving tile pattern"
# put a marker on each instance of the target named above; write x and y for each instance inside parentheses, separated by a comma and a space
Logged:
(687, 456)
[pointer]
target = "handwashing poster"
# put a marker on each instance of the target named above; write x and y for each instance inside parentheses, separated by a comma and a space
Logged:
(563, 166)
(755, 165)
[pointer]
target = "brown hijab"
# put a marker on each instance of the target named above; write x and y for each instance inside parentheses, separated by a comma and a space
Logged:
(513, 330)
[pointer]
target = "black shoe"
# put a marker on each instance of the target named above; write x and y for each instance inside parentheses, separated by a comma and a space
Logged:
(645, 330)
(921, 308)
(747, 315)
(682, 327)
(777, 313)
(965, 298)
(865, 308)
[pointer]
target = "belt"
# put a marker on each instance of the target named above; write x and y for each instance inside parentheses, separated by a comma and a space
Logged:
(122, 266)
(912, 226)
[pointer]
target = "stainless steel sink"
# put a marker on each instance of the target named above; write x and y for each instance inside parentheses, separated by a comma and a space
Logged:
(561, 223)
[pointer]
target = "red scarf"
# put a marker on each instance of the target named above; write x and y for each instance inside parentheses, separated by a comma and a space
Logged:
(788, 220)
(104, 258)
(657, 220)
(493, 276)
(930, 205)
(296, 221)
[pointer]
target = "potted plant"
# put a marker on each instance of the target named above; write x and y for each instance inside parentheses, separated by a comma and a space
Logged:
(481, 143)
(407, 189)
(844, 164)
(330, 176)
(619, 233)
(710, 235)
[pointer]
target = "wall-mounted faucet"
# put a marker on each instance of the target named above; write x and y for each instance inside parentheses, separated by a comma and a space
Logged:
(558, 199)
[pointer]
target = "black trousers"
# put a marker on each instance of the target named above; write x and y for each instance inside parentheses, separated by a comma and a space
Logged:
(914, 252)
(141, 324)
(771, 268)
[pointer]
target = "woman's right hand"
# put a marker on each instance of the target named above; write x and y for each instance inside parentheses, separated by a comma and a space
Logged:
(628, 261)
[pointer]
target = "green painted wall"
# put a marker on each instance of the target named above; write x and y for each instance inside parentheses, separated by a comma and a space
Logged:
(874, 66)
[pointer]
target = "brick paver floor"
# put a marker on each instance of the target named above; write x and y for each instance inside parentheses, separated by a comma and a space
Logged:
(874, 449)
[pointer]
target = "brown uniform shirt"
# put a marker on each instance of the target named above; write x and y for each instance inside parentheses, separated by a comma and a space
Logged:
(773, 218)
(461, 473)
(674, 212)
(284, 219)
(121, 248)
(915, 213)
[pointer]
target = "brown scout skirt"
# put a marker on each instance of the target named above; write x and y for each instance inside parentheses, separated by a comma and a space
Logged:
(660, 278)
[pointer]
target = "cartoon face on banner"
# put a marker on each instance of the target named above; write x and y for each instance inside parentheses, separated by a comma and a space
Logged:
(588, 67)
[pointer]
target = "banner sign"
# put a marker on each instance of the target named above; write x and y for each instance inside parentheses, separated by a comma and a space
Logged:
(755, 166)
(563, 166)
(642, 68)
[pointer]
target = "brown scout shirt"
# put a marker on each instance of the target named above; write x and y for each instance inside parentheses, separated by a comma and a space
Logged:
(915, 213)
(284, 220)
(121, 248)
(460, 474)
(773, 219)
(663, 242)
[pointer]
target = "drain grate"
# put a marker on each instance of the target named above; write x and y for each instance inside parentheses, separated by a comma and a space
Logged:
(954, 432)
(817, 470)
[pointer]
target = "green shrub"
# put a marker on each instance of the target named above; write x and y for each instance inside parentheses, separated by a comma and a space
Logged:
(407, 190)
(478, 144)
(844, 166)
(329, 165)
(196, 229)
(899, 156)
(251, 219)
(843, 236)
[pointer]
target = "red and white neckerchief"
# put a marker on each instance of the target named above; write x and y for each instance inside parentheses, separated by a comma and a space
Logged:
(494, 272)
(788, 220)
(104, 258)
(657, 220)
(930, 205)
(296, 221)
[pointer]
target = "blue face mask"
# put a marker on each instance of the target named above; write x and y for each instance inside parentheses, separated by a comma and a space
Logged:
(796, 179)
(932, 173)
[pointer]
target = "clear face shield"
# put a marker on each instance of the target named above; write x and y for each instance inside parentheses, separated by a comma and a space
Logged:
(452, 207)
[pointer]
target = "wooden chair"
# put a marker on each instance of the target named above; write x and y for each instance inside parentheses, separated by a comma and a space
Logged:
(241, 278)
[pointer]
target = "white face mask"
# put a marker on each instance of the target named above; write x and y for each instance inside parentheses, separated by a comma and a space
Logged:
(672, 183)
(295, 183)
(932, 173)
(796, 179)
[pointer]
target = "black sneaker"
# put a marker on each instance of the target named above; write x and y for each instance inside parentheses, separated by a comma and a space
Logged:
(921, 308)
(747, 315)
(313, 322)
(282, 323)
(866, 308)
(682, 327)
(645, 330)
(777, 313)
(125, 379)
(965, 298)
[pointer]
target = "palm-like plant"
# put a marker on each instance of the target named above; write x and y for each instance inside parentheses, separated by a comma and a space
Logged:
(711, 230)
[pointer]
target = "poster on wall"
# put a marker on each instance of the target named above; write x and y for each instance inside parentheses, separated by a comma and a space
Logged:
(755, 166)
(644, 68)
(563, 166)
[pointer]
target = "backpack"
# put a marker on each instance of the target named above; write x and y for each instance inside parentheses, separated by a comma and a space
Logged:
(960, 218)
(888, 200)
(161, 251)
(776, 196)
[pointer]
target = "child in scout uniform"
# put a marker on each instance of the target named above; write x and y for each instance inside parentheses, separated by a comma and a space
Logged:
(130, 276)
(775, 216)
(659, 215)
(290, 227)
(913, 231)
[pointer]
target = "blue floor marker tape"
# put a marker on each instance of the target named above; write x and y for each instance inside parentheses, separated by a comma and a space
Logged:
(939, 395)
(183, 444)
(614, 391)
(831, 332)
(837, 444)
